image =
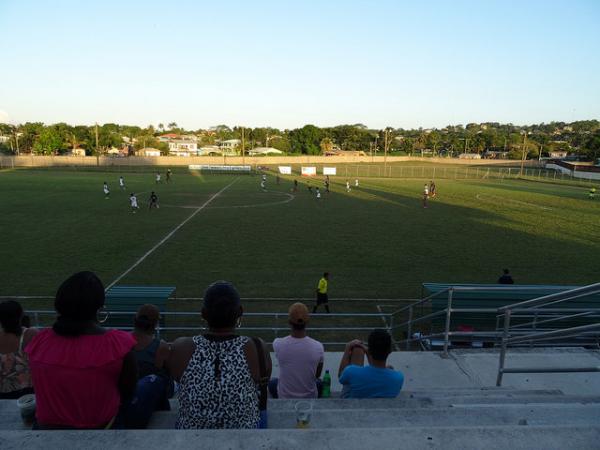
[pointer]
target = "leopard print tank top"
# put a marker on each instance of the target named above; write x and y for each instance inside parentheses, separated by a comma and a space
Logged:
(217, 389)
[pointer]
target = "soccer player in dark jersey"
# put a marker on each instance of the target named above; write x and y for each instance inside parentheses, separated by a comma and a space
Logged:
(153, 201)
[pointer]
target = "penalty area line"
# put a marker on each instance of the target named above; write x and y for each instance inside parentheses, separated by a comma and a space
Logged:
(169, 235)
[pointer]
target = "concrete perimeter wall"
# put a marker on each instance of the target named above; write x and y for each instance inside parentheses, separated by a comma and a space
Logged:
(49, 161)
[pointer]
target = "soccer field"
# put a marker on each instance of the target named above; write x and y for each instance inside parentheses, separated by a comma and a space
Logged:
(377, 240)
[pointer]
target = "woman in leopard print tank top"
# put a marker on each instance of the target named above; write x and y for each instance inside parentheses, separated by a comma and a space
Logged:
(219, 371)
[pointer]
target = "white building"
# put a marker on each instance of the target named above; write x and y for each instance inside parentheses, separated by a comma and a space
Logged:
(183, 147)
(230, 146)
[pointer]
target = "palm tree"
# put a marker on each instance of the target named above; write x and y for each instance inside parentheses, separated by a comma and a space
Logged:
(172, 125)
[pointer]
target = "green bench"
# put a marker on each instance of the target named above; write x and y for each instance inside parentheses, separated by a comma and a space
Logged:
(484, 297)
(127, 299)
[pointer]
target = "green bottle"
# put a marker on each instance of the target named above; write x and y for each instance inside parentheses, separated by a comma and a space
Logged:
(326, 385)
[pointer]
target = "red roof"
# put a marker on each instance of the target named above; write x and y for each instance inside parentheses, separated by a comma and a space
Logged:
(170, 136)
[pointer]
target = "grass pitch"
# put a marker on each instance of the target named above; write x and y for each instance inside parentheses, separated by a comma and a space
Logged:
(377, 240)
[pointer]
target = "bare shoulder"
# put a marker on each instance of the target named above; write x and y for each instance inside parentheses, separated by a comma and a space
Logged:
(181, 345)
(28, 334)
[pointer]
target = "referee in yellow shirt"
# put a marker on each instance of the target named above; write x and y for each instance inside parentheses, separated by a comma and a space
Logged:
(322, 298)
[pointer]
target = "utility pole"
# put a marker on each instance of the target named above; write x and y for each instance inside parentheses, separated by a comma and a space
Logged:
(96, 138)
(243, 152)
(386, 144)
(523, 154)
(17, 140)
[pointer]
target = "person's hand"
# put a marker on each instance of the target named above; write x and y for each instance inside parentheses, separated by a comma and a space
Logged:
(355, 343)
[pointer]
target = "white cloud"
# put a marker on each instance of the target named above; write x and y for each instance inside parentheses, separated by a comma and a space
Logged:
(4, 117)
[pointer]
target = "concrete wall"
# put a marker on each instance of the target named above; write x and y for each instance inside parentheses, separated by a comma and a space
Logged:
(577, 171)
(49, 161)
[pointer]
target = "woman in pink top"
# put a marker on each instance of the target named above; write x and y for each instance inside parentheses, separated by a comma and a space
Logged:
(81, 372)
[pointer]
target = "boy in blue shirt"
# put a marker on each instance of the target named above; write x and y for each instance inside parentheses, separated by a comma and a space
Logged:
(375, 380)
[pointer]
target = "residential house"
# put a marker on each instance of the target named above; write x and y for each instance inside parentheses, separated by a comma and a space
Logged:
(183, 147)
(148, 151)
(229, 146)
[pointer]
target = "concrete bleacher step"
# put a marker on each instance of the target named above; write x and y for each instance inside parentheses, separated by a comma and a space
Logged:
(458, 415)
(449, 438)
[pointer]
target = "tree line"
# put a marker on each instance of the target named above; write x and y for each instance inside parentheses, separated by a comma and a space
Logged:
(513, 141)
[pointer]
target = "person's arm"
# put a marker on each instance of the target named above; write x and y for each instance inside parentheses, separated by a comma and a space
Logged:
(347, 356)
(179, 357)
(28, 334)
(128, 377)
(162, 355)
(319, 369)
(252, 359)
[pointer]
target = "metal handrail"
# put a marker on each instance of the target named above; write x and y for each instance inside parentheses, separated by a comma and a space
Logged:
(508, 337)
(555, 298)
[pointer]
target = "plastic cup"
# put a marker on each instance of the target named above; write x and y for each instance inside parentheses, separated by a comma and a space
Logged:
(26, 405)
(303, 414)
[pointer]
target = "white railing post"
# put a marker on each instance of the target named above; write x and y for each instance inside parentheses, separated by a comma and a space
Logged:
(504, 345)
(409, 329)
(447, 327)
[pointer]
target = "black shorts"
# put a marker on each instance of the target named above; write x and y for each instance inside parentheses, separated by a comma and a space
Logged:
(322, 298)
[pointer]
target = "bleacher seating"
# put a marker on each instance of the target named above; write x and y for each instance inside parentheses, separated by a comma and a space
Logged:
(445, 404)
(121, 299)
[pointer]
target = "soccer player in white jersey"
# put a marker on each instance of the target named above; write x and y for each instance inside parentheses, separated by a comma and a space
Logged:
(133, 202)
(356, 182)
(347, 186)
(263, 184)
(157, 177)
(106, 190)
(121, 183)
(318, 194)
(425, 195)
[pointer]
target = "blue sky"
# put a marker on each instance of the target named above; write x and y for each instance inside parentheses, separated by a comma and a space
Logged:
(286, 64)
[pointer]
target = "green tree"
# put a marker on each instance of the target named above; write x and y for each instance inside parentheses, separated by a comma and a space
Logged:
(48, 142)
(306, 140)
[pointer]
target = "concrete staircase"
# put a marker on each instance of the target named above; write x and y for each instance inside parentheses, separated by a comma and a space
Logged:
(450, 418)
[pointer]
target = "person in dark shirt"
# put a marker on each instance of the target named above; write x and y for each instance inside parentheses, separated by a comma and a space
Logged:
(153, 201)
(506, 278)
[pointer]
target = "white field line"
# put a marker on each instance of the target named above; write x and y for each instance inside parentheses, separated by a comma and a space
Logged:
(169, 235)
(254, 205)
(510, 200)
(388, 328)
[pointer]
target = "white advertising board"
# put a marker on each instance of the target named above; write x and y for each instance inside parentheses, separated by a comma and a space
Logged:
(309, 171)
(285, 170)
(329, 171)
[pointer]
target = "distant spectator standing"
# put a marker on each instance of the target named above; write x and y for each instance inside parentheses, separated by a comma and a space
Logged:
(15, 378)
(322, 297)
(81, 372)
(220, 373)
(154, 384)
(300, 359)
(376, 380)
(505, 278)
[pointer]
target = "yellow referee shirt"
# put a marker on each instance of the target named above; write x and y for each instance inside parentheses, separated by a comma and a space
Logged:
(322, 288)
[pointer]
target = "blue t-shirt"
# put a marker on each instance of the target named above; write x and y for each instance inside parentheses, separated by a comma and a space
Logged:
(371, 382)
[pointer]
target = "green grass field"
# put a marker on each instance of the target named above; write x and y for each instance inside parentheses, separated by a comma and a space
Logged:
(376, 241)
